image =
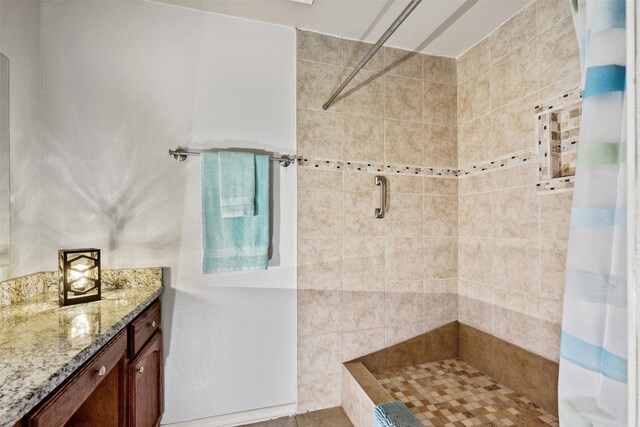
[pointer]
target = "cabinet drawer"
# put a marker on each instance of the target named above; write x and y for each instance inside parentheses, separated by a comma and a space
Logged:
(61, 406)
(143, 327)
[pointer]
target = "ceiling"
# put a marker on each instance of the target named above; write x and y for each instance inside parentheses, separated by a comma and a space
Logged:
(437, 27)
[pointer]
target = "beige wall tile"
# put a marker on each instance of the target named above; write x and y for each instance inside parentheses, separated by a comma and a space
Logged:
(474, 96)
(402, 308)
(555, 215)
(439, 69)
(403, 98)
(318, 47)
(319, 395)
(550, 12)
(320, 263)
(517, 328)
(515, 75)
(551, 310)
(358, 343)
(440, 286)
(440, 216)
(363, 138)
(514, 33)
(474, 60)
(521, 302)
(474, 141)
(474, 183)
(363, 310)
(474, 215)
(565, 56)
(315, 179)
(320, 134)
(358, 181)
(440, 104)
(568, 83)
(515, 213)
(440, 258)
(440, 186)
(403, 216)
(398, 334)
(313, 220)
(402, 142)
(550, 340)
(413, 286)
(364, 95)
(315, 82)
(404, 184)
(517, 176)
(474, 260)
(364, 264)
(318, 356)
(440, 146)
(354, 51)
(358, 215)
(403, 259)
(319, 311)
(475, 313)
(512, 127)
(553, 263)
(403, 63)
(516, 265)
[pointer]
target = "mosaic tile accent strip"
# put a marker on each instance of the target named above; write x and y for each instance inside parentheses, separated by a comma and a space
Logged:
(376, 167)
(555, 184)
(453, 393)
(33, 286)
(515, 159)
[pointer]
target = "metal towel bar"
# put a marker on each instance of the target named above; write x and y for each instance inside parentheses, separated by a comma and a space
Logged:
(180, 154)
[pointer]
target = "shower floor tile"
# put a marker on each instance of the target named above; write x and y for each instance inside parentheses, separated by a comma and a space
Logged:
(452, 393)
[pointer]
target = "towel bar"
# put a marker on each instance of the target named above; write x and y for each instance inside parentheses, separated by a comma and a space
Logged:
(181, 155)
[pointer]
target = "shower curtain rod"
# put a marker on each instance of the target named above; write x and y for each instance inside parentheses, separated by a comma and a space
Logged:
(181, 155)
(394, 26)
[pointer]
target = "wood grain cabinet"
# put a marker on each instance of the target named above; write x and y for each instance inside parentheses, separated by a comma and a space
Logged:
(121, 385)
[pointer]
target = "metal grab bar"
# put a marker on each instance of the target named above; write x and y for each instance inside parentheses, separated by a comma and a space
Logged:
(380, 181)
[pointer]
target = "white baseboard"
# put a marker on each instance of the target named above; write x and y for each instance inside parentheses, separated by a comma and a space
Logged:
(240, 418)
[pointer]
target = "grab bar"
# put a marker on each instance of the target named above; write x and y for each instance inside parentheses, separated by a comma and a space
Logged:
(381, 182)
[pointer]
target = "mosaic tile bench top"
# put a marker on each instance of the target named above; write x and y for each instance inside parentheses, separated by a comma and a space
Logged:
(452, 393)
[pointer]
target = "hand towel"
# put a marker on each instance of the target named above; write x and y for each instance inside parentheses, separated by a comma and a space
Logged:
(236, 243)
(394, 414)
(237, 183)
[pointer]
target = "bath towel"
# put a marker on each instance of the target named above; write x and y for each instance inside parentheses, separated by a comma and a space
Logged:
(237, 183)
(236, 243)
(394, 414)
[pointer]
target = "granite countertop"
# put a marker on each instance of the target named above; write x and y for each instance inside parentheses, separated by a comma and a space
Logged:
(42, 344)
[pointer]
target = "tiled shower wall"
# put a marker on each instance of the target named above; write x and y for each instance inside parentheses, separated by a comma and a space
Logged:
(366, 283)
(512, 236)
(487, 248)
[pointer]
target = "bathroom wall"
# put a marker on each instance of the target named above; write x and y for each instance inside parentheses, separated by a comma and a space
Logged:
(513, 234)
(122, 83)
(366, 283)
(20, 42)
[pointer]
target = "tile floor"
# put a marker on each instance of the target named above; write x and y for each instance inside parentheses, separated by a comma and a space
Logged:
(451, 393)
(334, 417)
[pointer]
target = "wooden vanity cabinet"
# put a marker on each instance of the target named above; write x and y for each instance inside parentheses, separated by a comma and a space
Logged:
(121, 385)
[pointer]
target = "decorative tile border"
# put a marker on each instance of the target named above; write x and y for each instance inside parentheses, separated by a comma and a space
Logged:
(376, 167)
(32, 286)
(514, 159)
(556, 184)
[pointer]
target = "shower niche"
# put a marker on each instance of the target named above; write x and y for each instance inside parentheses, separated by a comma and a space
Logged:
(557, 134)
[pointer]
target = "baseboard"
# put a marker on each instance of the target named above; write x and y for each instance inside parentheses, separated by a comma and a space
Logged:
(240, 418)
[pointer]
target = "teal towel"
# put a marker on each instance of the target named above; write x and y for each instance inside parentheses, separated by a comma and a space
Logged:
(394, 414)
(237, 183)
(237, 243)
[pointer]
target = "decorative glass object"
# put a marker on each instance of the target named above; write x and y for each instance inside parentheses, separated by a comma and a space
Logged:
(78, 275)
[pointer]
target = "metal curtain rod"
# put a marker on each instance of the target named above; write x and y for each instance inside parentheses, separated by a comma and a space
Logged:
(399, 20)
(181, 155)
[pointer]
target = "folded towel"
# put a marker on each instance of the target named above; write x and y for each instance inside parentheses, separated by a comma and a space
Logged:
(394, 414)
(237, 183)
(237, 243)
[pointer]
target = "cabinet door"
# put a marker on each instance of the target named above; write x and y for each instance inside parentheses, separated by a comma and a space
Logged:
(146, 389)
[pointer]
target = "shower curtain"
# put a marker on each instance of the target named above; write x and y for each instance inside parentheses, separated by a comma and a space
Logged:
(593, 367)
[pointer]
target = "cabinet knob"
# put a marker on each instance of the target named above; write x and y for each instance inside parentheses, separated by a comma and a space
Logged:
(141, 369)
(153, 324)
(101, 371)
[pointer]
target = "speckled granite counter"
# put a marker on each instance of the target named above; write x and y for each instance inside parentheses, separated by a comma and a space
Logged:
(42, 344)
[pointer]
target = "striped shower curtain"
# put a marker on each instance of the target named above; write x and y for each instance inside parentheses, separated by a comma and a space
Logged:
(593, 366)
